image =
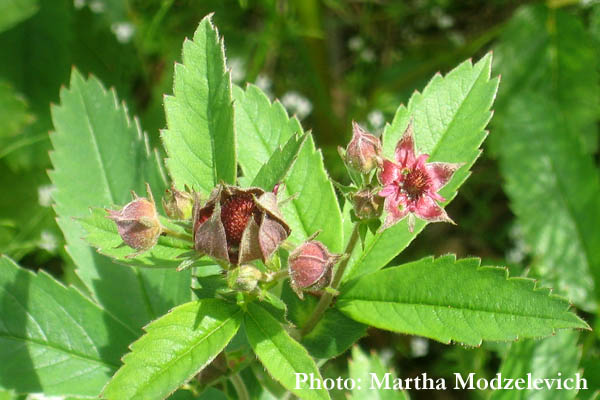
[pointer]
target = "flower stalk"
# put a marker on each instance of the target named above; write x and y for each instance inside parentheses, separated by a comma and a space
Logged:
(328, 296)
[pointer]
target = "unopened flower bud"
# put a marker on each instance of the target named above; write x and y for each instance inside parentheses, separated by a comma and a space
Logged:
(364, 150)
(367, 204)
(311, 267)
(138, 223)
(246, 278)
(178, 204)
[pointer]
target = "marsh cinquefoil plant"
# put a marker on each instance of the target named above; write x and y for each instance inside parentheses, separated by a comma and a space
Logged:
(256, 261)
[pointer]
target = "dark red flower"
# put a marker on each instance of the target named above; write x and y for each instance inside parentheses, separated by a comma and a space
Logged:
(239, 225)
(411, 185)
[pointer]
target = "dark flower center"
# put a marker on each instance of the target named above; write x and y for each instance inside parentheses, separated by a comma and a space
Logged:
(416, 183)
(235, 215)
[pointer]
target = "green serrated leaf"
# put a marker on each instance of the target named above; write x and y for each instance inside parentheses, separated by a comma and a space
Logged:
(174, 349)
(548, 51)
(281, 355)
(280, 163)
(547, 174)
(333, 334)
(543, 359)
(263, 127)
(52, 338)
(361, 367)
(99, 156)
(200, 139)
(449, 300)
(544, 152)
(449, 119)
(14, 11)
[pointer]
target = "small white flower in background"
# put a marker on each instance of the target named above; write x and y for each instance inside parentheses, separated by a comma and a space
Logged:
(48, 241)
(45, 195)
(443, 20)
(97, 6)
(520, 249)
(419, 346)
(386, 355)
(356, 43)
(457, 38)
(238, 72)
(123, 31)
(297, 104)
(264, 83)
(79, 4)
(376, 119)
(367, 55)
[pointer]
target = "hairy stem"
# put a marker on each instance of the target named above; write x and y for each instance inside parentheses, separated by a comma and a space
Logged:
(178, 235)
(327, 297)
(240, 387)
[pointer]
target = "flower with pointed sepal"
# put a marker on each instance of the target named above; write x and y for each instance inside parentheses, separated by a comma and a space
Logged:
(411, 185)
(137, 222)
(239, 225)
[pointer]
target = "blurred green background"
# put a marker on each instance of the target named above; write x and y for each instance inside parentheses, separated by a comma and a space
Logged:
(329, 62)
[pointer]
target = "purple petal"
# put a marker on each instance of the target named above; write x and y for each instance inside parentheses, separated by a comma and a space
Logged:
(427, 209)
(405, 149)
(210, 236)
(390, 173)
(440, 173)
(270, 236)
(249, 245)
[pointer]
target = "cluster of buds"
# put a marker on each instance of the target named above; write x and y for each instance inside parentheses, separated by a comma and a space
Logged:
(408, 186)
(311, 266)
(237, 226)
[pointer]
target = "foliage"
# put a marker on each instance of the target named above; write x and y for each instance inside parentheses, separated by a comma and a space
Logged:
(103, 319)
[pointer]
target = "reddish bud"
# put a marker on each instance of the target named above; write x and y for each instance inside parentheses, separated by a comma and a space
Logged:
(239, 225)
(364, 150)
(138, 223)
(178, 204)
(311, 267)
(367, 204)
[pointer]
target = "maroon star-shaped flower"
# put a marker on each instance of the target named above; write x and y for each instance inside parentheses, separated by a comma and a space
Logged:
(411, 185)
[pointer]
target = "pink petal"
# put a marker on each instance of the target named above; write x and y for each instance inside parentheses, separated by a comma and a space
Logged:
(420, 163)
(429, 210)
(389, 190)
(405, 149)
(394, 213)
(435, 195)
(440, 173)
(390, 173)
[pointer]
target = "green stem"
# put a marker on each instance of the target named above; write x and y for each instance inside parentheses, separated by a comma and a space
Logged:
(240, 387)
(327, 297)
(178, 235)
